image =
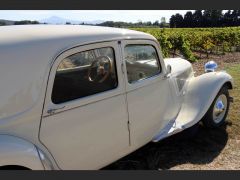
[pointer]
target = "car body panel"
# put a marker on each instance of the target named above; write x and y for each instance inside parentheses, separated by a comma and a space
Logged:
(27, 54)
(148, 101)
(91, 132)
(197, 99)
(88, 126)
(19, 152)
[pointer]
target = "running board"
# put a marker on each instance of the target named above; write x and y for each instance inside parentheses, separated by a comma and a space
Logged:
(170, 129)
(164, 134)
(173, 127)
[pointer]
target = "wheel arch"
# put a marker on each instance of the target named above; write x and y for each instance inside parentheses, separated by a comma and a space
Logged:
(229, 84)
(19, 153)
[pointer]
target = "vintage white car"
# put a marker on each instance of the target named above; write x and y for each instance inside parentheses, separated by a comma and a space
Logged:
(82, 97)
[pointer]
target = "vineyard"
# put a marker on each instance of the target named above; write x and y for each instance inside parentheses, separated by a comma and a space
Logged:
(193, 43)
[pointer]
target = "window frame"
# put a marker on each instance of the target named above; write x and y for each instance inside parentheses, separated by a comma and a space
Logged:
(82, 101)
(146, 81)
(158, 62)
(115, 68)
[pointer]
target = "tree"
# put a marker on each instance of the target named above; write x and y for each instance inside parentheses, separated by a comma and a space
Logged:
(197, 19)
(107, 23)
(227, 19)
(216, 18)
(188, 19)
(2, 23)
(163, 23)
(179, 20)
(207, 18)
(156, 23)
(176, 21)
(212, 18)
(25, 22)
(236, 17)
(163, 20)
(148, 23)
(172, 21)
(139, 22)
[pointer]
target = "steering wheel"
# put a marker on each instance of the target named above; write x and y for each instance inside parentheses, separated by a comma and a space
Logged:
(103, 65)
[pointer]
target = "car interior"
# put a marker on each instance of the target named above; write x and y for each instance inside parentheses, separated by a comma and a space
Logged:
(73, 78)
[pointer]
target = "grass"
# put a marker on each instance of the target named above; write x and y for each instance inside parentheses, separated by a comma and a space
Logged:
(234, 114)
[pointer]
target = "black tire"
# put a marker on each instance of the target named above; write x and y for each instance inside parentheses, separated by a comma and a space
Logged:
(12, 167)
(208, 120)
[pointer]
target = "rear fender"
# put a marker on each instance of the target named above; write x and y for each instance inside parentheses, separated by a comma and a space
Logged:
(15, 151)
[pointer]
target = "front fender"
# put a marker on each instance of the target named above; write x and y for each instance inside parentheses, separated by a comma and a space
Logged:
(199, 95)
(18, 152)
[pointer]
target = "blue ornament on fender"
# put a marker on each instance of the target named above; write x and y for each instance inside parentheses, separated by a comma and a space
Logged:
(210, 66)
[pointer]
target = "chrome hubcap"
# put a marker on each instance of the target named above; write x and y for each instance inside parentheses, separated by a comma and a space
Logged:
(220, 108)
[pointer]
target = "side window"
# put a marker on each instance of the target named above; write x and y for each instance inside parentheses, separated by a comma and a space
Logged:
(141, 61)
(85, 73)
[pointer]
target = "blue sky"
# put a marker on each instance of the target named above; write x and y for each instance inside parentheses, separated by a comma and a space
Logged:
(91, 15)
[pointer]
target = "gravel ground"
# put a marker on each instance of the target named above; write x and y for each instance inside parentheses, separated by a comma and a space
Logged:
(217, 149)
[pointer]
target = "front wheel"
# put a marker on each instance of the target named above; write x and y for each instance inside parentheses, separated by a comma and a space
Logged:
(218, 111)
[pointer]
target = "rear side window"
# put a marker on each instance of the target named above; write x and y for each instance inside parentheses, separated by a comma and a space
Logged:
(85, 73)
(141, 62)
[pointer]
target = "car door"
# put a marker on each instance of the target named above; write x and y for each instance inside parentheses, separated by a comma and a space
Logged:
(84, 123)
(150, 103)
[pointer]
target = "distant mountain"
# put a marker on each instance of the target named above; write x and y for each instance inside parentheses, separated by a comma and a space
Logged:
(59, 20)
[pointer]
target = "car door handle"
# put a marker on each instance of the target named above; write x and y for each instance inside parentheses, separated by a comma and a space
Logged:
(52, 110)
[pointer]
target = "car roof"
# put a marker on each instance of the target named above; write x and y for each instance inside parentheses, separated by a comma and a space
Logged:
(84, 33)
(27, 52)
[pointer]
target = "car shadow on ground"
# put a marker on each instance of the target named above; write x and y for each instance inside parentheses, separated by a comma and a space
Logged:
(198, 145)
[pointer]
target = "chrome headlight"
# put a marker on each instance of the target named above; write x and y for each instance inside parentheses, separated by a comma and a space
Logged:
(210, 66)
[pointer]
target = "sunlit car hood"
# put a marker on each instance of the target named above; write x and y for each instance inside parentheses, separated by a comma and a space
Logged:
(178, 65)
